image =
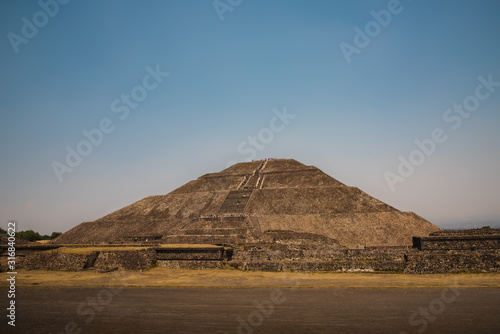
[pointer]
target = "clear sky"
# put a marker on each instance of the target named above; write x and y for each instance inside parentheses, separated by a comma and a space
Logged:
(170, 90)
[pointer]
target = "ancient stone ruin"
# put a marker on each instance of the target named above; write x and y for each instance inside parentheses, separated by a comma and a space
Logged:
(242, 203)
(273, 214)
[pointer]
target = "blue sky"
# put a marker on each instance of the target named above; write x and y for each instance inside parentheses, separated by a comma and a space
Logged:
(225, 77)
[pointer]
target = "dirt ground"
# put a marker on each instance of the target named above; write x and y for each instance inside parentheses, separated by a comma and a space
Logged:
(163, 300)
(280, 310)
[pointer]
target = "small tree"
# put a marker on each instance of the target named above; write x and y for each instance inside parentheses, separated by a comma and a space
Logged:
(29, 235)
(54, 235)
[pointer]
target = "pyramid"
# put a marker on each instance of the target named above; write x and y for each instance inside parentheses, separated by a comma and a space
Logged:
(249, 200)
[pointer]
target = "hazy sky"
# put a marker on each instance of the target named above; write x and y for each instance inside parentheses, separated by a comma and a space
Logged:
(170, 90)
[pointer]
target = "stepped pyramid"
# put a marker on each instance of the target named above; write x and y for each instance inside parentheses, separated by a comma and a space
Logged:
(247, 201)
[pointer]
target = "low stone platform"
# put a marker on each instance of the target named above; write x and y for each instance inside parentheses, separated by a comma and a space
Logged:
(277, 253)
(457, 241)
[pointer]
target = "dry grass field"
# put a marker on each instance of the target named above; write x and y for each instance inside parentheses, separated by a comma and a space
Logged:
(189, 278)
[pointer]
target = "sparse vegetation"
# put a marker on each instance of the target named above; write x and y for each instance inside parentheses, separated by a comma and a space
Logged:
(162, 277)
(30, 235)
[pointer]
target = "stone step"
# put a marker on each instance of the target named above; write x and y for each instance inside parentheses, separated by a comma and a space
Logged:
(189, 256)
(253, 181)
(203, 239)
(235, 201)
(193, 264)
(204, 224)
(215, 231)
(235, 218)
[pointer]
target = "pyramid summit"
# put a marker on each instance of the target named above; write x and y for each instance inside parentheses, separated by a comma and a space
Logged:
(249, 201)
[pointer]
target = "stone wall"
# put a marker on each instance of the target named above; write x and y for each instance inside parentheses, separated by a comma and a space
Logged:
(98, 260)
(430, 262)
(270, 257)
(464, 242)
(300, 239)
(312, 266)
(289, 258)
(193, 264)
(289, 252)
(131, 260)
(54, 261)
(196, 253)
(389, 259)
(473, 231)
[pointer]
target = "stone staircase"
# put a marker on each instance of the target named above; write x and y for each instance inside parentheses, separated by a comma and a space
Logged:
(255, 180)
(230, 225)
(212, 230)
(252, 181)
(260, 182)
(235, 201)
(243, 182)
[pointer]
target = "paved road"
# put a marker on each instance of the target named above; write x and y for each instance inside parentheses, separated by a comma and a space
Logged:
(134, 310)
